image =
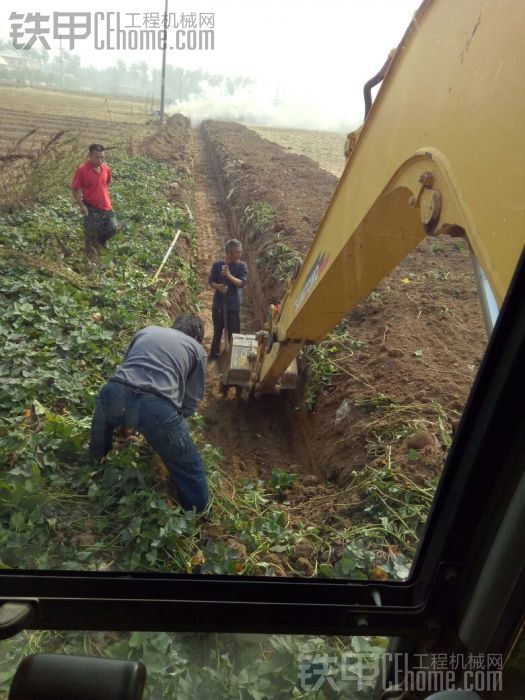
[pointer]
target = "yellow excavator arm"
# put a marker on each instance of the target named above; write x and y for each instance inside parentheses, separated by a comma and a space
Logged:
(442, 151)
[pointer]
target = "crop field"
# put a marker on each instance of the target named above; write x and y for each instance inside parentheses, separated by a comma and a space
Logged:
(64, 328)
(334, 480)
(30, 117)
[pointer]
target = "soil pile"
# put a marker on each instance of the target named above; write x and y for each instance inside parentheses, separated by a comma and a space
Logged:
(171, 144)
(269, 196)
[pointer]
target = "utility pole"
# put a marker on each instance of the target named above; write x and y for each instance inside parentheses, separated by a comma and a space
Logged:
(61, 65)
(163, 75)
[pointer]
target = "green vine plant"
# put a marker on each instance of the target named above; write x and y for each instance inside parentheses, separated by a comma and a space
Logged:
(278, 258)
(257, 218)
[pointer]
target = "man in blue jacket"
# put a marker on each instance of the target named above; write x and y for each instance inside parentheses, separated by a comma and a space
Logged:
(155, 389)
(227, 278)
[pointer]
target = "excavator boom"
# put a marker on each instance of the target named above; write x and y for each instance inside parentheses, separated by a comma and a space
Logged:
(442, 151)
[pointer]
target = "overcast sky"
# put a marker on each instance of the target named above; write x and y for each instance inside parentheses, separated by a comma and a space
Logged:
(314, 56)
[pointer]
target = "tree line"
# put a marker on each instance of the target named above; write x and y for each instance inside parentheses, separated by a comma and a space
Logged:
(65, 71)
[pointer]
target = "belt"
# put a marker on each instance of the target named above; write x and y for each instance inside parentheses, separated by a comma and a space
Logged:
(136, 389)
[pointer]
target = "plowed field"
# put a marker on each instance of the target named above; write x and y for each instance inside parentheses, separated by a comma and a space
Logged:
(45, 113)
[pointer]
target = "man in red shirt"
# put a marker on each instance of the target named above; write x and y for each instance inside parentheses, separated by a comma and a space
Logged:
(90, 188)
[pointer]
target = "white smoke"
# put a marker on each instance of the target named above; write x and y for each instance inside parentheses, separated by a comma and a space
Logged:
(268, 105)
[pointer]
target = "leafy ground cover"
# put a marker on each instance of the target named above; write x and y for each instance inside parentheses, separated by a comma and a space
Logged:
(62, 336)
(241, 666)
(64, 328)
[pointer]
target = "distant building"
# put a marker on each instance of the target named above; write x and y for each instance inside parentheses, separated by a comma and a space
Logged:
(11, 59)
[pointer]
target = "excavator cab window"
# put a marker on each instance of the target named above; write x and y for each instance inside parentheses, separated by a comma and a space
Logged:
(338, 557)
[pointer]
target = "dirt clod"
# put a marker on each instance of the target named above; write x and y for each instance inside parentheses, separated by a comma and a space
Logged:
(418, 441)
(302, 550)
(238, 547)
(304, 566)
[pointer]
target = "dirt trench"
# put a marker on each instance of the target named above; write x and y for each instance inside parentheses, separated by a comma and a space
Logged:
(254, 436)
(411, 348)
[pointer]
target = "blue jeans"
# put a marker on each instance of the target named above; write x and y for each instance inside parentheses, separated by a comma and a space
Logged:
(164, 428)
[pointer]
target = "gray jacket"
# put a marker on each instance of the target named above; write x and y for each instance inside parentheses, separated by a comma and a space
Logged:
(168, 363)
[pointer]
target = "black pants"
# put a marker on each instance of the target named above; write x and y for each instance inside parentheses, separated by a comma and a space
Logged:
(99, 227)
(233, 319)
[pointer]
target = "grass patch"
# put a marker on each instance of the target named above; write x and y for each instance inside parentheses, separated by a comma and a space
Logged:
(45, 173)
(441, 273)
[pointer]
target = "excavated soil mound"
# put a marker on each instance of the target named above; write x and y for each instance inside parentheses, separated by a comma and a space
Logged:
(412, 347)
(422, 341)
(251, 171)
(171, 144)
